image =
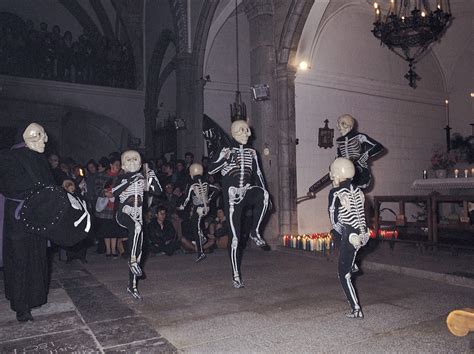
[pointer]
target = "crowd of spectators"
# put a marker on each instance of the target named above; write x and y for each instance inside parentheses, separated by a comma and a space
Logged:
(47, 54)
(166, 226)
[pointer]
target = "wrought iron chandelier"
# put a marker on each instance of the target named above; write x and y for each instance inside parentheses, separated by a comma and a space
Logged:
(238, 110)
(409, 28)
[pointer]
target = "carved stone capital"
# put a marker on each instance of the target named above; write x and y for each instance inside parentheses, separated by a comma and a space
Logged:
(255, 8)
(285, 72)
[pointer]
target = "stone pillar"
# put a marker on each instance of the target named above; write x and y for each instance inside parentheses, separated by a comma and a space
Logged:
(150, 124)
(263, 118)
(189, 139)
(287, 155)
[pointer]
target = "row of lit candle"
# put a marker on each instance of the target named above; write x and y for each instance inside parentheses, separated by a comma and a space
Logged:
(456, 173)
(466, 173)
(323, 242)
(320, 242)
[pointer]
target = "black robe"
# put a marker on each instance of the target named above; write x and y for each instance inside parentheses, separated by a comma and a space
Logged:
(24, 254)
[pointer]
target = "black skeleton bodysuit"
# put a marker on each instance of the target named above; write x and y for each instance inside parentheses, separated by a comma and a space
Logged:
(129, 215)
(359, 148)
(200, 192)
(242, 185)
(346, 212)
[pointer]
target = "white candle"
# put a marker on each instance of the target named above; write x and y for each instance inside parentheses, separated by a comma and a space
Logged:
(447, 112)
(456, 173)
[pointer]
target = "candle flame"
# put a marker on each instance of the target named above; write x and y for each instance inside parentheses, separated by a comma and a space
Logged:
(423, 14)
(446, 101)
(376, 6)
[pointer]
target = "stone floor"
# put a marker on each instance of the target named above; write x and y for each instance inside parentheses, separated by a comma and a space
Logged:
(291, 303)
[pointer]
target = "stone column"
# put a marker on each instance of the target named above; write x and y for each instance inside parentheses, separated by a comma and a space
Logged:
(150, 124)
(287, 155)
(263, 118)
(189, 139)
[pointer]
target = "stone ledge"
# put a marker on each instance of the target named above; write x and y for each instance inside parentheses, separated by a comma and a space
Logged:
(61, 86)
(413, 272)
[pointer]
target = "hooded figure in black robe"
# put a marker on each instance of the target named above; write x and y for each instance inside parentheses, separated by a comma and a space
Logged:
(22, 170)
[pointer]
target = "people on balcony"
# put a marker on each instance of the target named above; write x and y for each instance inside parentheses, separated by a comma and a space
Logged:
(51, 55)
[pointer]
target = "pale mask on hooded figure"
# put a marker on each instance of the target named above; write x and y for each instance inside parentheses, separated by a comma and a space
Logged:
(340, 170)
(345, 124)
(240, 131)
(35, 137)
(131, 161)
(195, 170)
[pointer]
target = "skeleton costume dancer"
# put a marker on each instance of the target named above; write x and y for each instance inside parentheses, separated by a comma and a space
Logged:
(239, 169)
(129, 215)
(358, 148)
(346, 211)
(201, 193)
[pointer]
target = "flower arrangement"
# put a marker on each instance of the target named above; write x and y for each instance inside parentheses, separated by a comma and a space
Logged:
(442, 160)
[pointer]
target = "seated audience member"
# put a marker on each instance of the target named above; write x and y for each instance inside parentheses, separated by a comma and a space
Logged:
(168, 199)
(161, 234)
(220, 229)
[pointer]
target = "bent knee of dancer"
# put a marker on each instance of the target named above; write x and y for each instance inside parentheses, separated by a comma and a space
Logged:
(138, 228)
(235, 242)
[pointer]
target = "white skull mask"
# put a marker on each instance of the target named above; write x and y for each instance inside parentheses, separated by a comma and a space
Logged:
(195, 170)
(345, 123)
(240, 131)
(131, 161)
(340, 170)
(35, 137)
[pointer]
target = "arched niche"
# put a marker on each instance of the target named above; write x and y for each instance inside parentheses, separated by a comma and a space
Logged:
(72, 132)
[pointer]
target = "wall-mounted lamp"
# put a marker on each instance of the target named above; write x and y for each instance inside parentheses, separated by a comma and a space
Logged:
(303, 65)
(266, 150)
(260, 92)
(179, 124)
(326, 136)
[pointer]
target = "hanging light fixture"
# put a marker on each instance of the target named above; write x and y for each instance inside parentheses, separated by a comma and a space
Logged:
(409, 27)
(238, 110)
